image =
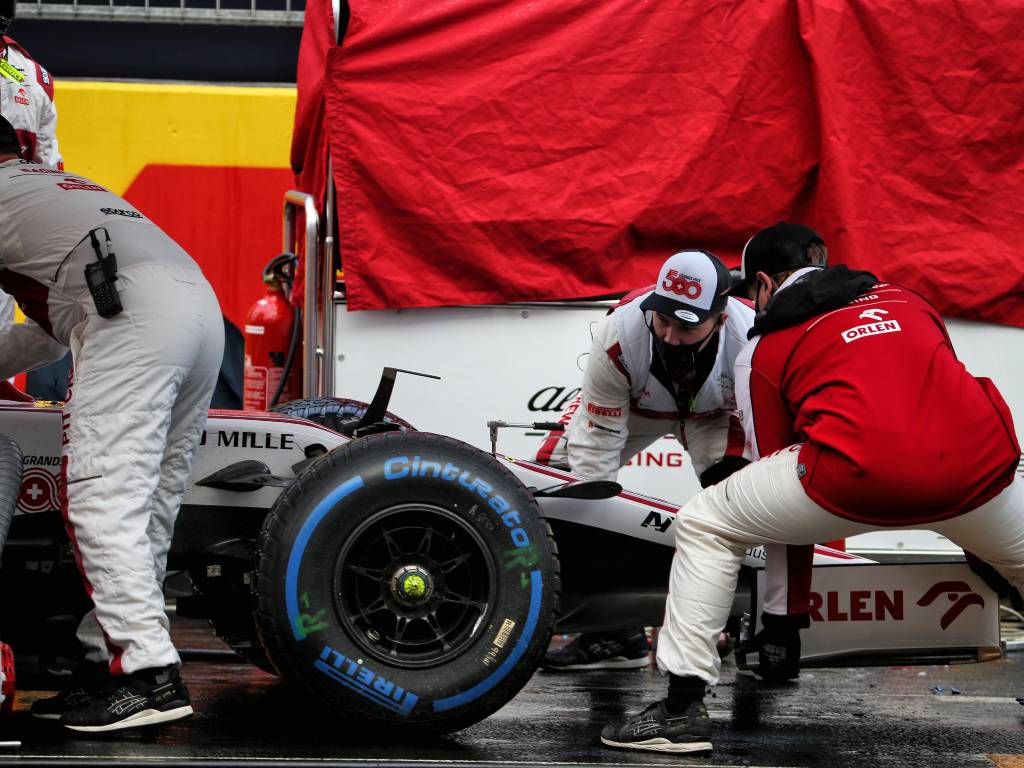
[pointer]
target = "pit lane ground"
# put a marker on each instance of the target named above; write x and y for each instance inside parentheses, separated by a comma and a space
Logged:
(856, 717)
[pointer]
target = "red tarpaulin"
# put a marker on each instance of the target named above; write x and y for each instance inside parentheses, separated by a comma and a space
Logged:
(491, 152)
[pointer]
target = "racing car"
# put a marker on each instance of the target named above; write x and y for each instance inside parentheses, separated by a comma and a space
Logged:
(408, 579)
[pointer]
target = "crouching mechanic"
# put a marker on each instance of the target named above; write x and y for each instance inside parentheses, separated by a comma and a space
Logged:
(861, 418)
(146, 336)
(661, 363)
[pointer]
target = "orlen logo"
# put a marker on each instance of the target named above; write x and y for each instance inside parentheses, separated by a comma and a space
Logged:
(880, 605)
(21, 97)
(857, 605)
(960, 595)
(681, 285)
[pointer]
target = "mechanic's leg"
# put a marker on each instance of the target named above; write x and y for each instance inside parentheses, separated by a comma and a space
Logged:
(994, 532)
(115, 425)
(644, 432)
(773, 654)
(134, 365)
(623, 646)
(188, 419)
(763, 502)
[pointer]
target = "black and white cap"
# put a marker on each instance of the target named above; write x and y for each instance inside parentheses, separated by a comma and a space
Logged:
(692, 287)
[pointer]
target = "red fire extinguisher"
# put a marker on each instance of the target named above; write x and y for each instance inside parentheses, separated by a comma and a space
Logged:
(271, 339)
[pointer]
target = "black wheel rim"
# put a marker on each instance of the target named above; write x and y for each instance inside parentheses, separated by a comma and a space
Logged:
(414, 585)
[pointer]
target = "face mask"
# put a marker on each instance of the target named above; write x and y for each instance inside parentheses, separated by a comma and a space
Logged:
(676, 355)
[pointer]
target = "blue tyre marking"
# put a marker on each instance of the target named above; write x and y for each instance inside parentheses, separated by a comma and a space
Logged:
(506, 666)
(291, 583)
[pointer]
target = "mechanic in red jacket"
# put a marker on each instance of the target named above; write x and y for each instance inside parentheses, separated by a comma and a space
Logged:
(861, 418)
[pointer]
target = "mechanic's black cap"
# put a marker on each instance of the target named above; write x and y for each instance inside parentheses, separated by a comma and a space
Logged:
(7, 10)
(778, 248)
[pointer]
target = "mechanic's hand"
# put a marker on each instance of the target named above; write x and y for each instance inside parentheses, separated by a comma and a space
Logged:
(777, 646)
(717, 473)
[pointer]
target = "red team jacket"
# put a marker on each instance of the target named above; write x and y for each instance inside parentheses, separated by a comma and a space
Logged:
(895, 431)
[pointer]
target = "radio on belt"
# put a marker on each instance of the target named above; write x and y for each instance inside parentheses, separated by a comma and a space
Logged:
(100, 277)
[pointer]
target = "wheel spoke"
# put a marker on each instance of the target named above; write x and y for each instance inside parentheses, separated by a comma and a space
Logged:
(375, 574)
(455, 562)
(393, 549)
(435, 627)
(376, 606)
(424, 546)
(400, 627)
(453, 597)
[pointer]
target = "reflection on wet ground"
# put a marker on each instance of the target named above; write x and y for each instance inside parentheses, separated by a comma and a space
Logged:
(853, 717)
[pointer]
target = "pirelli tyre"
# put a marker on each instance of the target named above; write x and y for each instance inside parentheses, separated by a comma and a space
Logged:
(409, 580)
(332, 412)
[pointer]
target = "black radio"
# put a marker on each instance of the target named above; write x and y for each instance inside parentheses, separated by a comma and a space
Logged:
(100, 277)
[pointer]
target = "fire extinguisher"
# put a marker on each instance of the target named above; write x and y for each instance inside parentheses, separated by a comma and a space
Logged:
(272, 330)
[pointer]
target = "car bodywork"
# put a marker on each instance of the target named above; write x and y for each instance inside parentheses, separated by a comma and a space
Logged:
(614, 548)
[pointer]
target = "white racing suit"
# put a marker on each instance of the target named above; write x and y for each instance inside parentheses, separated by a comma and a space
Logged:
(142, 385)
(26, 101)
(623, 408)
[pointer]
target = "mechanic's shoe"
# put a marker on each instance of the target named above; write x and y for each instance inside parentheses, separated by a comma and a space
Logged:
(613, 650)
(88, 682)
(777, 647)
(656, 730)
(146, 697)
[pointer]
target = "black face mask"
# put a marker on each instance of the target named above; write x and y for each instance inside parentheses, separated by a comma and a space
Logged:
(7, 8)
(675, 355)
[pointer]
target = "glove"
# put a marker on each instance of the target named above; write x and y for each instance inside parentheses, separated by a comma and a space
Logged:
(777, 646)
(718, 472)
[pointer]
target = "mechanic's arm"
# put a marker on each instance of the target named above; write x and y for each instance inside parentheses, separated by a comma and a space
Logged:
(598, 431)
(46, 133)
(25, 347)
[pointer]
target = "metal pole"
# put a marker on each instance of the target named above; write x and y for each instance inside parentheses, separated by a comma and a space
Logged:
(312, 353)
(328, 287)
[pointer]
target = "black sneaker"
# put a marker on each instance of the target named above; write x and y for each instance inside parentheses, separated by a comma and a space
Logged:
(614, 650)
(146, 697)
(773, 654)
(655, 730)
(88, 682)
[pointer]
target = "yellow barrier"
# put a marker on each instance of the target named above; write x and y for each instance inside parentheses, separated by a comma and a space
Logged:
(109, 131)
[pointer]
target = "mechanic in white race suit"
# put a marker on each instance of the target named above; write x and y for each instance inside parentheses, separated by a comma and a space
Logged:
(661, 363)
(861, 418)
(26, 96)
(26, 100)
(146, 335)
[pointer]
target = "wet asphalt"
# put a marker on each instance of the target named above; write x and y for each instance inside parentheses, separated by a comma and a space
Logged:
(853, 717)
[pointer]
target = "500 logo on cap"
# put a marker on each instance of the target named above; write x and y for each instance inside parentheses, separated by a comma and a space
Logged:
(682, 285)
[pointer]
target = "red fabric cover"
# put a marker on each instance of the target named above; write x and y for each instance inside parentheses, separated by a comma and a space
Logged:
(309, 150)
(513, 151)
